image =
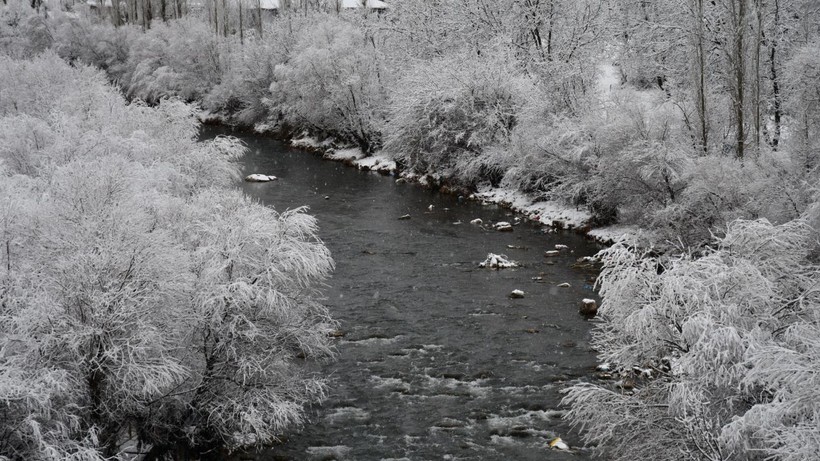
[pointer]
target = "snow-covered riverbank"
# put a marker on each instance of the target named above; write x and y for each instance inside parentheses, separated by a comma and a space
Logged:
(547, 212)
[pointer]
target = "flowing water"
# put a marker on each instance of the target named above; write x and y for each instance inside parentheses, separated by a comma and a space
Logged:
(436, 361)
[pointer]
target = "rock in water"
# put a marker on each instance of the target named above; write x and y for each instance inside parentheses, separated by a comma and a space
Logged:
(495, 261)
(559, 444)
(503, 226)
(589, 307)
(256, 177)
(516, 294)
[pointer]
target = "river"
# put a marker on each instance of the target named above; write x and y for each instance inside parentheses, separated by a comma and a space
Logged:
(436, 361)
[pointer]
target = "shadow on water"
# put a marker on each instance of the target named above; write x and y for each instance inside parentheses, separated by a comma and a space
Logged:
(436, 362)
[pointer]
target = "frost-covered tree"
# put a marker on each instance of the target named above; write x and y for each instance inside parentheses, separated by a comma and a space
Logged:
(332, 84)
(140, 295)
(725, 345)
(456, 115)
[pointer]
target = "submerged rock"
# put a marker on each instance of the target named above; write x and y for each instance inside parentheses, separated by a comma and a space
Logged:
(256, 177)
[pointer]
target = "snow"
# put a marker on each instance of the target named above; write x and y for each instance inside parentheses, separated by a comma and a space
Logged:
(611, 234)
(609, 79)
(95, 3)
(308, 142)
(269, 4)
(350, 154)
(547, 212)
(256, 177)
(377, 162)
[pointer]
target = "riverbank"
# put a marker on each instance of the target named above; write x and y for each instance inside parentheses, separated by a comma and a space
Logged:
(551, 213)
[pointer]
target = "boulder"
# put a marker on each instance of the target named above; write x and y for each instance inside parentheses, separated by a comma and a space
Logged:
(256, 177)
(477, 222)
(588, 307)
(516, 294)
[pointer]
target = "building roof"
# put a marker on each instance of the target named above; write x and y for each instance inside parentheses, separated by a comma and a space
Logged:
(372, 4)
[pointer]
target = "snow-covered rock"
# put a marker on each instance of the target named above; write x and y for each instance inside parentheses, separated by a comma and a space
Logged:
(551, 253)
(564, 285)
(503, 226)
(515, 294)
(495, 261)
(256, 177)
(560, 247)
(477, 222)
(558, 444)
(588, 307)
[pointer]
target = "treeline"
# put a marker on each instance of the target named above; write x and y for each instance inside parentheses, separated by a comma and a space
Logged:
(146, 305)
(674, 116)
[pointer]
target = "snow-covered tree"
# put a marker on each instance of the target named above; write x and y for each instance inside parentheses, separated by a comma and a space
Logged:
(140, 294)
(723, 346)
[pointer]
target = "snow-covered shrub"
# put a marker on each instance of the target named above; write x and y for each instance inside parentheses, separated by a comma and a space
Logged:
(332, 84)
(730, 338)
(141, 294)
(455, 115)
(182, 58)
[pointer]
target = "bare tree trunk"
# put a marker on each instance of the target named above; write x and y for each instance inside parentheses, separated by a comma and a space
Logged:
(241, 26)
(259, 13)
(224, 18)
(115, 12)
(738, 70)
(777, 103)
(758, 46)
(700, 80)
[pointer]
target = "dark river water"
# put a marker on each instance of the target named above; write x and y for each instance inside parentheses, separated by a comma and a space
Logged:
(437, 362)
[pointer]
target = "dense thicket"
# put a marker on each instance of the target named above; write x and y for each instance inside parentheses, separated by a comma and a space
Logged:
(142, 298)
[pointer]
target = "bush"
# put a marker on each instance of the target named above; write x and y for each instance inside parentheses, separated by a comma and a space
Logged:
(332, 84)
(727, 339)
(455, 115)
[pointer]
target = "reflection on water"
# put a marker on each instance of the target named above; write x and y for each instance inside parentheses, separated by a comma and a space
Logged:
(436, 361)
